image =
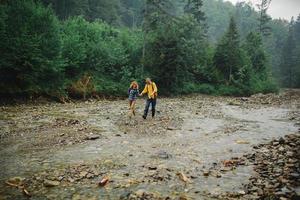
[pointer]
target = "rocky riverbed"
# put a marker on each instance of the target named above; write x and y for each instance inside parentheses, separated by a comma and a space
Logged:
(198, 147)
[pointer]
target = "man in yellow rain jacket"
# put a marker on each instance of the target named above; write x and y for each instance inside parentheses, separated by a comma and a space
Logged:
(151, 91)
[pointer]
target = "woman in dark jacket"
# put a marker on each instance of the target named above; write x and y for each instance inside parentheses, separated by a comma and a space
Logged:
(133, 94)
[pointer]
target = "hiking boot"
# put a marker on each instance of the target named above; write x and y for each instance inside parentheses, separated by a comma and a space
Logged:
(144, 117)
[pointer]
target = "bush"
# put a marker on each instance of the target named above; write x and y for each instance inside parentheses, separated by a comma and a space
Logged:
(30, 59)
(109, 55)
(228, 90)
(198, 88)
(263, 86)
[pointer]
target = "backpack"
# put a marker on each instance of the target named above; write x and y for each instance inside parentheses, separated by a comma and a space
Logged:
(155, 94)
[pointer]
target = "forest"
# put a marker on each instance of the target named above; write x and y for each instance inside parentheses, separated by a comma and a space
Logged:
(92, 48)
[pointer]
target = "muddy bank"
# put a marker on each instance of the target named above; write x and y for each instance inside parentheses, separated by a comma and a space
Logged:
(63, 151)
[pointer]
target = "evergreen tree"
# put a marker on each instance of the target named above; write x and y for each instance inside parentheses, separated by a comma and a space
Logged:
(246, 18)
(68, 8)
(297, 52)
(175, 49)
(264, 18)
(290, 67)
(255, 50)
(228, 57)
(194, 7)
(106, 10)
(132, 12)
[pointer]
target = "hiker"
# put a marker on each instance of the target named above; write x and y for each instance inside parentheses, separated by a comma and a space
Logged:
(133, 92)
(151, 90)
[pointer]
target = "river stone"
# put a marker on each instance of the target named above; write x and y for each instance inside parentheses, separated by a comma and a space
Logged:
(163, 155)
(152, 168)
(171, 128)
(140, 193)
(49, 183)
(206, 173)
(281, 140)
(92, 137)
(83, 174)
(16, 180)
(125, 195)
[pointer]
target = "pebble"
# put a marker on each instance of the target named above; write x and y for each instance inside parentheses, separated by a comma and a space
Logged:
(206, 173)
(49, 183)
(92, 137)
(277, 165)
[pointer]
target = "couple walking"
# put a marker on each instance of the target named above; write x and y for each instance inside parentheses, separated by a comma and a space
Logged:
(151, 91)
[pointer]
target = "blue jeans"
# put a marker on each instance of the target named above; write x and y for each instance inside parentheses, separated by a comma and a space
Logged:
(153, 104)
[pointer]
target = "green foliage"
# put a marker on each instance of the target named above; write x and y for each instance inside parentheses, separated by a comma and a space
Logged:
(254, 47)
(165, 59)
(175, 48)
(199, 88)
(194, 7)
(107, 54)
(228, 90)
(107, 10)
(243, 69)
(30, 59)
(290, 66)
(264, 18)
(170, 41)
(228, 57)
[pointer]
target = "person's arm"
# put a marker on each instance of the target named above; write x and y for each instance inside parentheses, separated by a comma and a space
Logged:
(144, 91)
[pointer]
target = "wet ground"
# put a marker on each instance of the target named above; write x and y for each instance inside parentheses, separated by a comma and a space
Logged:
(63, 151)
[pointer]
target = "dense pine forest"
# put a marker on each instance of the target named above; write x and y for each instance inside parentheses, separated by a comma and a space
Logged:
(84, 48)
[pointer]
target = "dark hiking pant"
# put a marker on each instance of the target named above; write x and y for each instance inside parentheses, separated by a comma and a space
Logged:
(153, 104)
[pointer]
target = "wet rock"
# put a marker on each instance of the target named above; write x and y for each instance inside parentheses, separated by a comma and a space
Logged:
(281, 140)
(206, 173)
(92, 137)
(182, 197)
(276, 164)
(215, 174)
(241, 192)
(152, 168)
(244, 99)
(125, 195)
(71, 180)
(295, 175)
(83, 174)
(50, 183)
(16, 180)
(171, 128)
(60, 178)
(140, 193)
(163, 155)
